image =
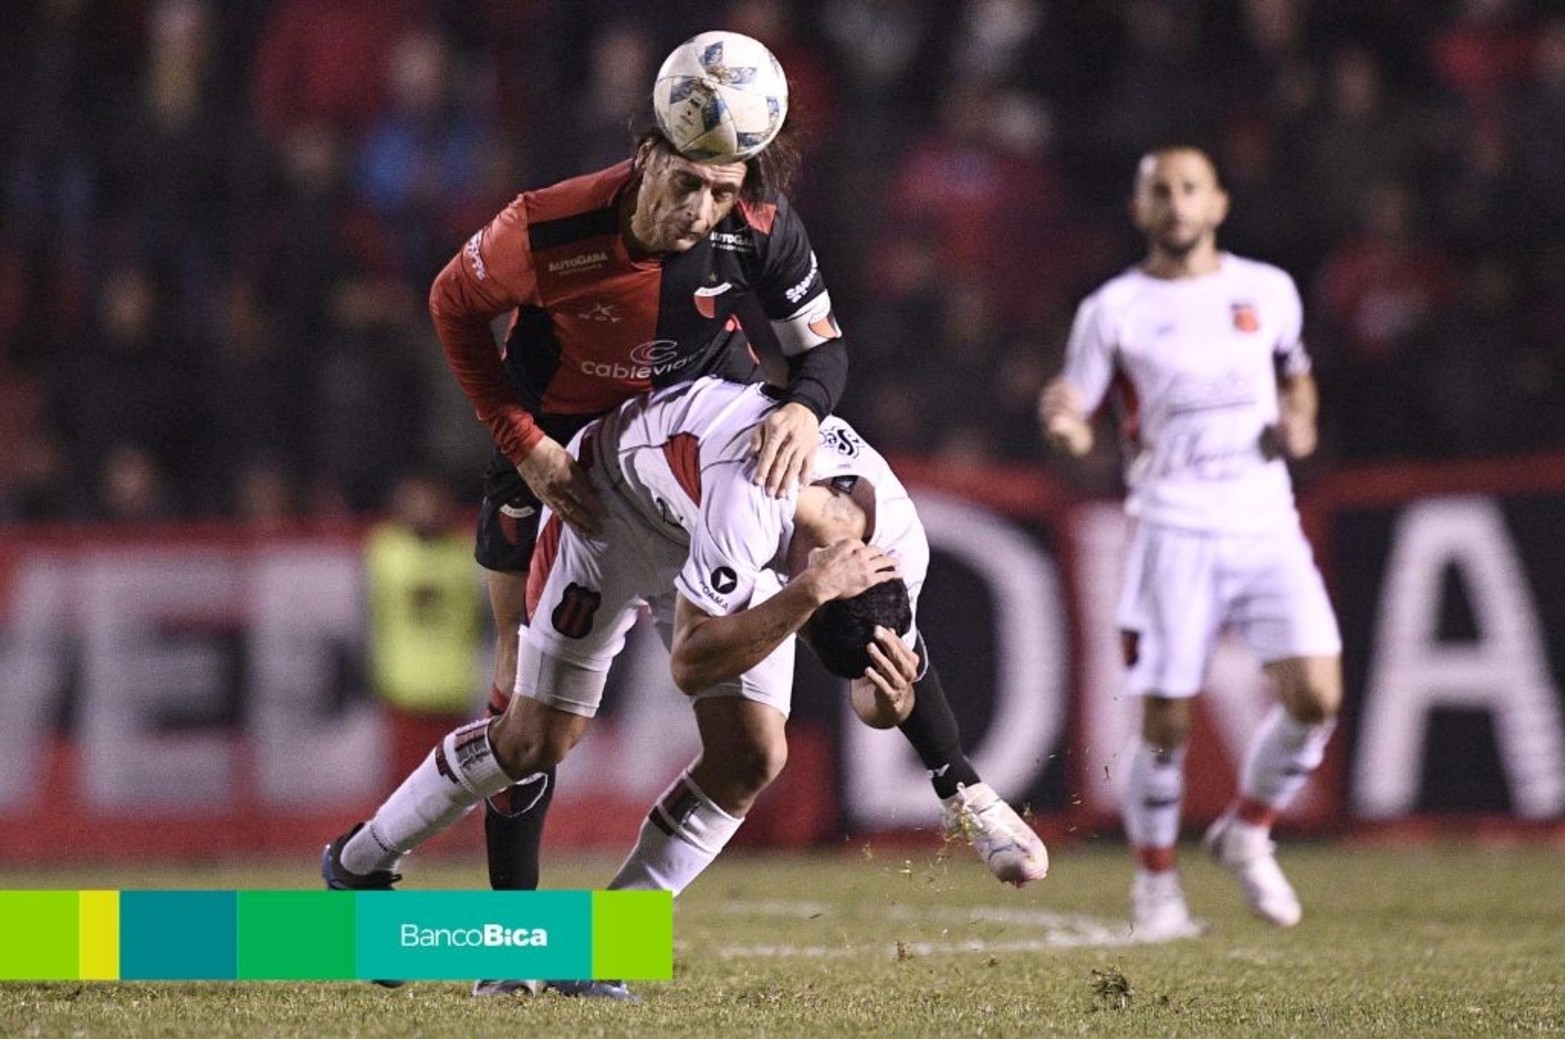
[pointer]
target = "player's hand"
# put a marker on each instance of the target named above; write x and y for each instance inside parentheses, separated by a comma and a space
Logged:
(845, 569)
(1296, 434)
(1063, 417)
(784, 445)
(884, 696)
(562, 485)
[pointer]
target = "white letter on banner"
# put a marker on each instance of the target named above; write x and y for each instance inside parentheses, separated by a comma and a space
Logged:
(884, 782)
(35, 637)
(308, 614)
(134, 674)
(1412, 672)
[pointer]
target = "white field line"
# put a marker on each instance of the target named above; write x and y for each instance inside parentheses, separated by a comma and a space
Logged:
(1051, 931)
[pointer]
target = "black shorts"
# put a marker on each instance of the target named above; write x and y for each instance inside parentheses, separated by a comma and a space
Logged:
(508, 517)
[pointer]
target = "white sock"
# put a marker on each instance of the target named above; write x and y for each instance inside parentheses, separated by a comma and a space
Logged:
(1154, 796)
(680, 837)
(460, 772)
(1282, 754)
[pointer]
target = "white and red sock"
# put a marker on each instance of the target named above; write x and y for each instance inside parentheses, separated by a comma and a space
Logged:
(1154, 795)
(681, 836)
(460, 772)
(1283, 753)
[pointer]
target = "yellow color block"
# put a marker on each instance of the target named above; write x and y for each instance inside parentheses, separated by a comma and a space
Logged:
(99, 934)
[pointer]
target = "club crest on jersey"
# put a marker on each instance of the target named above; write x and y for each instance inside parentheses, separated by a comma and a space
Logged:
(841, 440)
(706, 299)
(573, 617)
(1245, 317)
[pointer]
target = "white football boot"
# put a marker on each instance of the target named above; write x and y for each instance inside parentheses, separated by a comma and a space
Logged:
(1248, 853)
(1008, 846)
(1158, 911)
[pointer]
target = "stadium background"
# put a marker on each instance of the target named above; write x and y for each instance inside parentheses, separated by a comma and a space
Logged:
(219, 223)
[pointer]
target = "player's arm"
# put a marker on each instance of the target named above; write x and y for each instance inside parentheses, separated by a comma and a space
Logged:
(491, 275)
(1066, 405)
(1064, 418)
(1298, 402)
(712, 648)
(794, 298)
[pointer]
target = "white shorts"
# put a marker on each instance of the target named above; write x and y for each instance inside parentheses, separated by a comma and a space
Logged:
(1183, 587)
(584, 595)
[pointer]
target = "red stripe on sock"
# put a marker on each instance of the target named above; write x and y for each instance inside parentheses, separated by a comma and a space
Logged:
(1157, 860)
(498, 701)
(1255, 813)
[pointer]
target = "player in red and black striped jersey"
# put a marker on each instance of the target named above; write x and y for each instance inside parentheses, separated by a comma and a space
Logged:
(617, 282)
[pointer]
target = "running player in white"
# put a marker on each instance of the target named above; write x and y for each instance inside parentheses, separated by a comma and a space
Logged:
(1220, 394)
(687, 529)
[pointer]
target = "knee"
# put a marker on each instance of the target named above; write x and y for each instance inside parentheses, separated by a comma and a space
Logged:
(1315, 705)
(755, 766)
(524, 749)
(1165, 724)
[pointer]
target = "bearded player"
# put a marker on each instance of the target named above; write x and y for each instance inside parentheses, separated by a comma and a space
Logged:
(1208, 344)
(615, 283)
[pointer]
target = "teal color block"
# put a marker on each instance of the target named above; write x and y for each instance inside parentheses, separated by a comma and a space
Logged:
(178, 935)
(460, 935)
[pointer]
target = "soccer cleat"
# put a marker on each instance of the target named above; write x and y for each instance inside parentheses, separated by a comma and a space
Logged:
(339, 878)
(593, 990)
(574, 989)
(1158, 912)
(1008, 846)
(507, 988)
(1249, 854)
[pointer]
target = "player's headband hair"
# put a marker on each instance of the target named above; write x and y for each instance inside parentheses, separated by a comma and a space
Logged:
(767, 175)
(841, 631)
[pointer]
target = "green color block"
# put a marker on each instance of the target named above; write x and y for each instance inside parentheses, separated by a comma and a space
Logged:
(38, 935)
(633, 935)
(296, 935)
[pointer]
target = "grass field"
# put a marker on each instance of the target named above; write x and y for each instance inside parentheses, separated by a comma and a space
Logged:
(1439, 941)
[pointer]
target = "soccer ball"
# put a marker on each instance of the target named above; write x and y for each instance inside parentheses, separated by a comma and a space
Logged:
(720, 97)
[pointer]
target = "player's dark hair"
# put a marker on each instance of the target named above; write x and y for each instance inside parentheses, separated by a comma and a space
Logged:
(841, 631)
(1184, 146)
(766, 176)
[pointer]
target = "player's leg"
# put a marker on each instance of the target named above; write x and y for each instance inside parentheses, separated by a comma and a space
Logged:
(475, 761)
(513, 818)
(1168, 617)
(1289, 622)
(970, 808)
(743, 748)
(507, 532)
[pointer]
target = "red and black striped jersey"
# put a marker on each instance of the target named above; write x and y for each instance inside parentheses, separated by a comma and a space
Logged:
(596, 323)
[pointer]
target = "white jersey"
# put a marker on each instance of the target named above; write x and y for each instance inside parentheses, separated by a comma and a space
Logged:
(1201, 357)
(681, 456)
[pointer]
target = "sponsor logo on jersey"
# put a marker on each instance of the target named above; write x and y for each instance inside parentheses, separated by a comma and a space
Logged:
(1245, 317)
(573, 617)
(577, 264)
(796, 293)
(842, 440)
(651, 360)
(471, 248)
(733, 241)
(600, 312)
(724, 580)
(706, 299)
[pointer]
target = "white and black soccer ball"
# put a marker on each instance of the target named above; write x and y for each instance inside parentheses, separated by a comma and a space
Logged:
(720, 97)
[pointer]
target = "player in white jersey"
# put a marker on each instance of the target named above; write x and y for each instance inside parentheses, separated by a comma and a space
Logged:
(688, 530)
(1206, 348)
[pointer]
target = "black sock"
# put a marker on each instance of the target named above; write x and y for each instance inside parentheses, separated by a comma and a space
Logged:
(513, 831)
(931, 729)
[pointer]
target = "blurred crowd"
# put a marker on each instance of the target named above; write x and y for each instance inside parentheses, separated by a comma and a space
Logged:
(219, 221)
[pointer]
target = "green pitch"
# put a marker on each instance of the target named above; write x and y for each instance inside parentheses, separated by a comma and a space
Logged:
(881, 941)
